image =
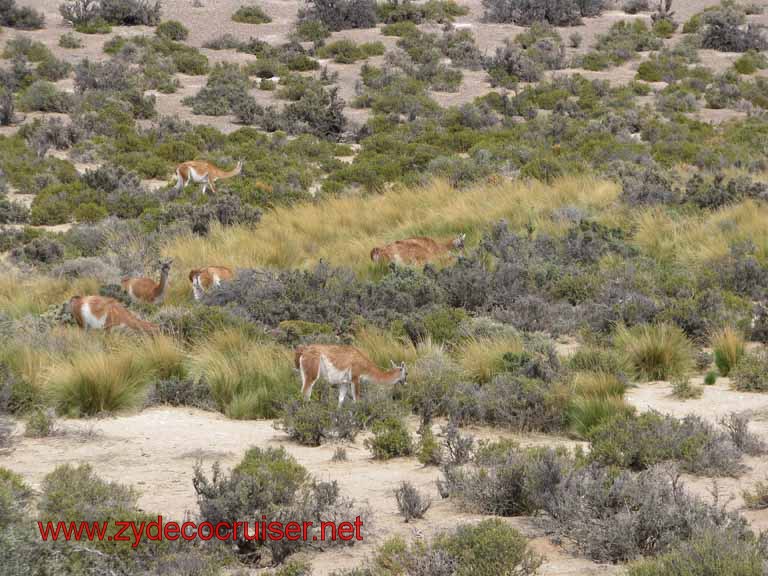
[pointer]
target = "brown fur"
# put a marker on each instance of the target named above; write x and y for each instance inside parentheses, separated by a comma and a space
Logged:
(109, 312)
(416, 250)
(206, 277)
(359, 367)
(207, 173)
(147, 290)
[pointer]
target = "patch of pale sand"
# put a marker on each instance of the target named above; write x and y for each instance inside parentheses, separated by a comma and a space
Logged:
(155, 451)
(48, 228)
(23, 199)
(713, 116)
(716, 401)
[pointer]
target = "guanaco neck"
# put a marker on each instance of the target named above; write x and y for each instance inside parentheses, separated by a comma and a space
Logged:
(377, 376)
(233, 172)
(160, 290)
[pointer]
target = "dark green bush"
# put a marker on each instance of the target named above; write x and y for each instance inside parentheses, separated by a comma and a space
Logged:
(172, 30)
(251, 15)
(391, 439)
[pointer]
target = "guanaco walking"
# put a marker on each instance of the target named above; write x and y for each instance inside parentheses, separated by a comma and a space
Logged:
(204, 173)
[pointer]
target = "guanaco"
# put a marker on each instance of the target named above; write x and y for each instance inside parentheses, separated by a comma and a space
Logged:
(100, 313)
(203, 278)
(416, 250)
(343, 365)
(204, 173)
(147, 290)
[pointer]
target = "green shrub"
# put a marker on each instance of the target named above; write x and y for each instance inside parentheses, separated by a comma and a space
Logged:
(716, 551)
(664, 28)
(756, 498)
(95, 26)
(69, 40)
(312, 31)
(390, 439)
(428, 449)
(639, 442)
(597, 359)
(40, 423)
(251, 15)
(43, 96)
(751, 373)
(655, 351)
(190, 62)
(90, 212)
(682, 389)
(489, 548)
(345, 51)
(710, 378)
(693, 24)
(402, 28)
(172, 30)
(585, 413)
(729, 347)
(750, 62)
(14, 496)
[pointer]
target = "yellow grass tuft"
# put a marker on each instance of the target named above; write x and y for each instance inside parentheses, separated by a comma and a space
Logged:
(34, 295)
(344, 230)
(482, 359)
(729, 346)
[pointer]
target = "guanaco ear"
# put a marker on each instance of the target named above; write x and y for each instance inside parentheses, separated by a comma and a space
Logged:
(393, 363)
(192, 274)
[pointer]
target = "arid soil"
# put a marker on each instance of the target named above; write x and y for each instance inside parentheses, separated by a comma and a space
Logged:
(156, 450)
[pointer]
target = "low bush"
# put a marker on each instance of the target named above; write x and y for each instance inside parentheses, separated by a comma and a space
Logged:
(682, 389)
(345, 51)
(737, 426)
(639, 442)
(410, 502)
(391, 439)
(710, 378)
(40, 424)
(713, 551)
(655, 352)
(226, 88)
(252, 14)
(428, 449)
(20, 17)
(341, 14)
(620, 44)
(751, 373)
(527, 12)
(43, 96)
(172, 30)
(750, 62)
(269, 482)
(756, 498)
(651, 510)
(724, 29)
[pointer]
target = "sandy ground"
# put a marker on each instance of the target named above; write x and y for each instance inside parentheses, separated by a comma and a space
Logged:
(156, 450)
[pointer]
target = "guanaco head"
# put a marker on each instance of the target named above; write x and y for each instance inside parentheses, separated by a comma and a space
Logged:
(193, 274)
(403, 372)
(165, 265)
(458, 242)
(376, 254)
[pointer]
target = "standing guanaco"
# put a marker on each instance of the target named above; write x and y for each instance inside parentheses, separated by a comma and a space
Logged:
(343, 365)
(204, 173)
(147, 290)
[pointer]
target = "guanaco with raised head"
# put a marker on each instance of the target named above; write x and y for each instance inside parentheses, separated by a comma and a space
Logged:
(144, 289)
(343, 365)
(417, 250)
(202, 172)
(203, 278)
(101, 313)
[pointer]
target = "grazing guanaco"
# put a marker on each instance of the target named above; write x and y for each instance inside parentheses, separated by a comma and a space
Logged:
(204, 173)
(416, 250)
(101, 313)
(147, 290)
(203, 278)
(343, 365)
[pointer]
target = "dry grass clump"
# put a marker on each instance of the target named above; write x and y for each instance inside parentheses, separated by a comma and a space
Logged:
(247, 378)
(655, 351)
(20, 296)
(342, 231)
(729, 346)
(482, 359)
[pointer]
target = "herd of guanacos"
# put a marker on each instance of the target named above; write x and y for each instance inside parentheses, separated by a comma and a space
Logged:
(345, 366)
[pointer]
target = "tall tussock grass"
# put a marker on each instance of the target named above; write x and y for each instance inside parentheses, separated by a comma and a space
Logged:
(95, 383)
(595, 398)
(33, 296)
(483, 358)
(728, 346)
(342, 231)
(247, 379)
(655, 351)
